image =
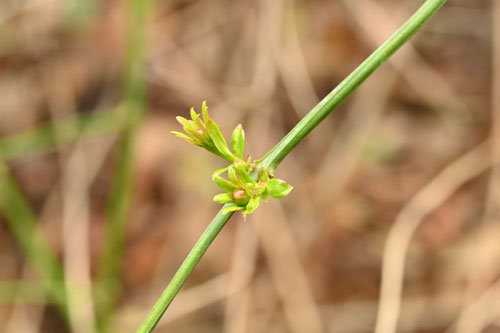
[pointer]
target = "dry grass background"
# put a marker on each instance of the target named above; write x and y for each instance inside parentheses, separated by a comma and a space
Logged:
(398, 188)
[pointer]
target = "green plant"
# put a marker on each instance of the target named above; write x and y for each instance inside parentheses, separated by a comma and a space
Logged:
(273, 158)
(124, 119)
(243, 191)
(24, 225)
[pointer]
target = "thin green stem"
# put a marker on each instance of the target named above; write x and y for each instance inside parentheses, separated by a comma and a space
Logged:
(29, 292)
(22, 221)
(185, 270)
(134, 107)
(273, 158)
(43, 137)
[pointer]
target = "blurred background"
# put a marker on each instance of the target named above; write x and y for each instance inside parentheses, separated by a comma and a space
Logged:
(394, 221)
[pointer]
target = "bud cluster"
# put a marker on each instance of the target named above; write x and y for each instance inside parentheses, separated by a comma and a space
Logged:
(242, 190)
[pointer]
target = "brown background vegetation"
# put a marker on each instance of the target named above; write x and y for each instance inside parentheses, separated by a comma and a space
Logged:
(311, 262)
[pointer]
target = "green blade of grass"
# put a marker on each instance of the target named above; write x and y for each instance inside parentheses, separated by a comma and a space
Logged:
(22, 221)
(30, 292)
(134, 106)
(43, 137)
(273, 158)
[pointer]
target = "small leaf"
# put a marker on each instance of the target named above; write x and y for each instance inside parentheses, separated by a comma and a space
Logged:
(224, 184)
(242, 172)
(263, 176)
(186, 123)
(193, 114)
(197, 121)
(252, 205)
(232, 175)
(260, 189)
(208, 145)
(224, 198)
(238, 141)
(218, 139)
(277, 188)
(204, 111)
(219, 171)
(183, 136)
(231, 209)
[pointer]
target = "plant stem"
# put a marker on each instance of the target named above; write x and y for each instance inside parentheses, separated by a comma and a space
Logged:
(22, 221)
(28, 292)
(43, 137)
(134, 107)
(185, 270)
(273, 158)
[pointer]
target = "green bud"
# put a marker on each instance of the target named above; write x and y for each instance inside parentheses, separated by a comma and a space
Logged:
(240, 197)
(277, 188)
(238, 141)
(224, 198)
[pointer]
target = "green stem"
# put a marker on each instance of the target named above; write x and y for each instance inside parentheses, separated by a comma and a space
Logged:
(25, 228)
(185, 270)
(28, 292)
(134, 107)
(273, 158)
(43, 137)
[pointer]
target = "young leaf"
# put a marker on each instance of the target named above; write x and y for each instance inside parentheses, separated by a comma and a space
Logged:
(219, 171)
(238, 141)
(204, 111)
(183, 136)
(252, 205)
(242, 172)
(193, 114)
(263, 175)
(195, 134)
(218, 139)
(186, 123)
(224, 184)
(260, 189)
(224, 198)
(277, 188)
(232, 175)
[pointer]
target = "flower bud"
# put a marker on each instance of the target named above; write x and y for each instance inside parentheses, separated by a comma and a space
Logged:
(240, 197)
